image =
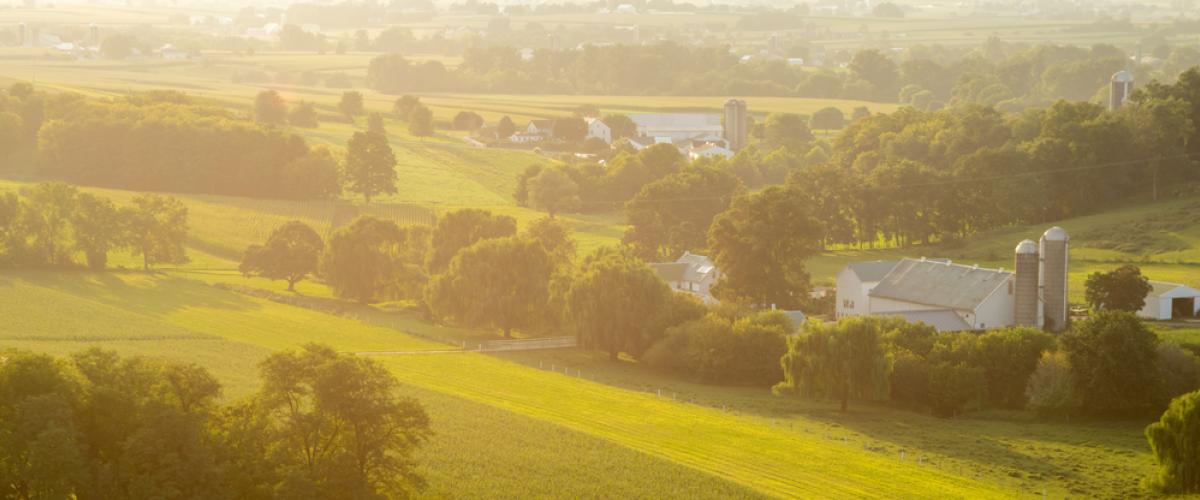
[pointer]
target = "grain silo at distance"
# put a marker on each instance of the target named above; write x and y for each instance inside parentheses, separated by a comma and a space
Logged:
(1027, 304)
(1053, 275)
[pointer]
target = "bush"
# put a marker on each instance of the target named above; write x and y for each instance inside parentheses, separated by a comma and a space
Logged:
(1112, 359)
(1173, 441)
(715, 349)
(1050, 390)
(1178, 371)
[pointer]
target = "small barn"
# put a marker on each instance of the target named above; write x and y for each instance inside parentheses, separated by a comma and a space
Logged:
(1167, 301)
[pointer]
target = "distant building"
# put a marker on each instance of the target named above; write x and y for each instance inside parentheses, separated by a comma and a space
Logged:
(709, 150)
(1120, 87)
(544, 128)
(171, 53)
(854, 285)
(736, 124)
(691, 274)
(1167, 301)
(669, 127)
(597, 129)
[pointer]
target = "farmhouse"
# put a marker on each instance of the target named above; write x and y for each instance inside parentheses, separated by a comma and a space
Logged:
(597, 129)
(690, 273)
(1167, 301)
(544, 128)
(955, 297)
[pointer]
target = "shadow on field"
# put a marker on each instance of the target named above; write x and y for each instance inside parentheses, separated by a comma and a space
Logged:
(153, 295)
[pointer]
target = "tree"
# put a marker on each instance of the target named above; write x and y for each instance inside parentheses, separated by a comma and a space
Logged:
(462, 228)
(363, 260)
(498, 283)
(787, 130)
(340, 426)
(117, 46)
(291, 253)
(98, 228)
(505, 128)
(1173, 441)
(613, 302)
(555, 238)
(621, 126)
(158, 227)
(838, 361)
(269, 108)
(42, 452)
(12, 134)
(1007, 357)
(45, 219)
(877, 69)
(370, 165)
(1178, 370)
(1051, 388)
(420, 122)
(351, 103)
(760, 244)
(887, 9)
(314, 175)
(828, 118)
(1122, 289)
(303, 115)
(375, 124)
(468, 120)
(553, 190)
(571, 129)
(1112, 358)
(404, 106)
(672, 215)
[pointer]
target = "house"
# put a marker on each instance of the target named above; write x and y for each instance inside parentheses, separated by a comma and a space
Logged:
(1167, 301)
(948, 296)
(855, 282)
(709, 150)
(690, 273)
(678, 126)
(526, 138)
(544, 128)
(597, 129)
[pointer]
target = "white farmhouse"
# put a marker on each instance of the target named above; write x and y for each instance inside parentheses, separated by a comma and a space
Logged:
(709, 150)
(597, 129)
(691, 274)
(544, 128)
(948, 296)
(854, 284)
(1167, 301)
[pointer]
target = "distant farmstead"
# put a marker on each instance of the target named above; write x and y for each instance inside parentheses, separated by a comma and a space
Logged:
(1167, 301)
(691, 274)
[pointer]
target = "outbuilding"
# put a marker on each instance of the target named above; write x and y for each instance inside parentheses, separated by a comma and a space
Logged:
(1167, 301)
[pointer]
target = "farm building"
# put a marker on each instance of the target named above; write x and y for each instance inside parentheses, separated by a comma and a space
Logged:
(690, 273)
(677, 126)
(1167, 301)
(597, 129)
(544, 128)
(709, 150)
(955, 297)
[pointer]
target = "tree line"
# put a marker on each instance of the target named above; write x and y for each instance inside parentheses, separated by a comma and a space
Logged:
(96, 425)
(53, 224)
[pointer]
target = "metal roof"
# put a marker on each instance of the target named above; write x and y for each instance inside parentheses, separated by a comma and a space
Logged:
(873, 270)
(671, 271)
(944, 320)
(1165, 289)
(940, 284)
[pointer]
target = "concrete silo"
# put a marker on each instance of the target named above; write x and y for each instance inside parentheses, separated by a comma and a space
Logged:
(1027, 303)
(736, 124)
(1119, 88)
(1053, 273)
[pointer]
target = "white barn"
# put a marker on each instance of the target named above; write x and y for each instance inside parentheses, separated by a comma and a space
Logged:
(678, 126)
(1167, 301)
(948, 296)
(854, 284)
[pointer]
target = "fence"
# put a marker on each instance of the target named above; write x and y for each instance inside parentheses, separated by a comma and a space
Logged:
(527, 344)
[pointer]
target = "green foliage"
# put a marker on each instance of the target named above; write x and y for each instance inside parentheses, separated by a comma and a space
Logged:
(1122, 289)
(1112, 358)
(621, 126)
(97, 228)
(719, 350)
(499, 283)
(571, 129)
(291, 253)
(51, 222)
(1007, 357)
(671, 215)
(304, 115)
(312, 176)
(787, 130)
(760, 244)
(370, 165)
(351, 103)
(839, 361)
(1178, 370)
(420, 122)
(363, 261)
(1051, 388)
(375, 124)
(393, 74)
(404, 106)
(469, 120)
(828, 118)
(505, 128)
(462, 228)
(269, 108)
(1173, 439)
(158, 228)
(553, 191)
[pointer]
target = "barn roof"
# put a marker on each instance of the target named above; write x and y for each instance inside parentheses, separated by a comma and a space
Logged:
(873, 270)
(944, 320)
(1172, 290)
(940, 284)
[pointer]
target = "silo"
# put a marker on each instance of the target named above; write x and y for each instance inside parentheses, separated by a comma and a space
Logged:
(736, 123)
(1026, 285)
(1119, 88)
(1054, 255)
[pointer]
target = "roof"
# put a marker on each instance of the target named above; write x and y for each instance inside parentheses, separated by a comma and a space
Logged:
(940, 284)
(873, 270)
(542, 123)
(944, 320)
(671, 271)
(678, 121)
(1172, 290)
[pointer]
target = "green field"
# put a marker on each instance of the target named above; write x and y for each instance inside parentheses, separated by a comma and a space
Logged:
(508, 426)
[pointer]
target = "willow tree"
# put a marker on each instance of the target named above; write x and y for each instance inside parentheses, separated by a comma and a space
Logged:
(1173, 440)
(842, 360)
(497, 283)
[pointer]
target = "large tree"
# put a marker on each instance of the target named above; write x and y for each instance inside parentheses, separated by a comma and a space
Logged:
(363, 260)
(45, 220)
(462, 228)
(1112, 356)
(98, 228)
(1122, 289)
(621, 126)
(760, 245)
(420, 121)
(158, 228)
(673, 214)
(787, 130)
(553, 190)
(269, 108)
(291, 253)
(370, 165)
(351, 103)
(838, 361)
(497, 283)
(1173, 441)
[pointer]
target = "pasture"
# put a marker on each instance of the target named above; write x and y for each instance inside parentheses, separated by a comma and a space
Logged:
(509, 426)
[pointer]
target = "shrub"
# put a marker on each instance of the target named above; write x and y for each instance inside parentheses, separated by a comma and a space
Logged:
(1173, 441)
(1050, 390)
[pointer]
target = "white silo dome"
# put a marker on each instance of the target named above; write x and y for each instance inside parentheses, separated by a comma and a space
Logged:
(1055, 234)
(1122, 76)
(1027, 246)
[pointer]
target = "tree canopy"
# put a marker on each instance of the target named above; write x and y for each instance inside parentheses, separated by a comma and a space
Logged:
(1122, 289)
(370, 165)
(291, 253)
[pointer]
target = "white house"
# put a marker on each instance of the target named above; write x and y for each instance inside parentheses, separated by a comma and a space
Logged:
(709, 151)
(948, 296)
(526, 138)
(854, 285)
(690, 273)
(544, 128)
(1167, 301)
(597, 129)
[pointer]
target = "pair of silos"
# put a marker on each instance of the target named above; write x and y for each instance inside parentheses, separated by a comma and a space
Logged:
(1041, 281)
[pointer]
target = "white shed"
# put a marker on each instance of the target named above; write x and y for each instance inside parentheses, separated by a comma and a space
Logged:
(1167, 301)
